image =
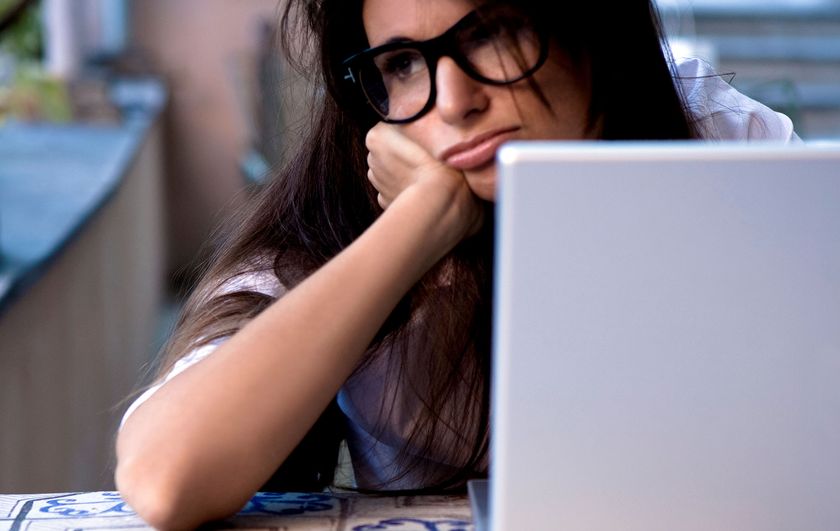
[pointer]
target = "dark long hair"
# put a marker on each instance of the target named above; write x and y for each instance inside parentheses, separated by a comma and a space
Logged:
(438, 337)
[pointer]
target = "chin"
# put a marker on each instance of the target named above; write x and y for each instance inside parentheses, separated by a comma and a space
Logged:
(483, 183)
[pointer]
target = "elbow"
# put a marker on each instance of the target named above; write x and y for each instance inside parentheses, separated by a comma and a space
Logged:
(168, 499)
(171, 486)
(153, 498)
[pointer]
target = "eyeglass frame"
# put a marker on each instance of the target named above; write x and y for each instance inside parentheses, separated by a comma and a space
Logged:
(444, 45)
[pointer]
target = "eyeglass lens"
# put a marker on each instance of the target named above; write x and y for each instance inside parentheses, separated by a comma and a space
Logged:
(496, 49)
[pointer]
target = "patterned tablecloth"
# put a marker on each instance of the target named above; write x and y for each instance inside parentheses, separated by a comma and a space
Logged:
(277, 511)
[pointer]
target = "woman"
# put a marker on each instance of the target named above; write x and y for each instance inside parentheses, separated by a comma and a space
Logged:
(364, 270)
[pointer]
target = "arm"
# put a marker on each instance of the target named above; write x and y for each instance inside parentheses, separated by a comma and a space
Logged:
(200, 447)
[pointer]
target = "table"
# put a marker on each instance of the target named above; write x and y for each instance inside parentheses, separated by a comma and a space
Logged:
(339, 511)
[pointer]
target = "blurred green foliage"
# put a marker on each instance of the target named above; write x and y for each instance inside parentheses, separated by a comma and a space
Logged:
(24, 40)
(26, 92)
(35, 97)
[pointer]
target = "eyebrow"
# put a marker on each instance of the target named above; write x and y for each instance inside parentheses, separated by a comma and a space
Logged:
(401, 39)
(398, 39)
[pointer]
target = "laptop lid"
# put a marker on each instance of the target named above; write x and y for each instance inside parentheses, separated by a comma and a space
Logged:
(667, 337)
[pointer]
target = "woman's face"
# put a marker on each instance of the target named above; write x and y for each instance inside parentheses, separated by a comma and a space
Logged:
(470, 120)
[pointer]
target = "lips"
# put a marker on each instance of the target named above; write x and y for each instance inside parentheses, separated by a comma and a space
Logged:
(478, 151)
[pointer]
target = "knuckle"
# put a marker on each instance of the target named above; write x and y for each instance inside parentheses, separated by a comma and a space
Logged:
(371, 138)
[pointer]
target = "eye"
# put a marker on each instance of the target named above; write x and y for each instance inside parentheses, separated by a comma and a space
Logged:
(497, 26)
(480, 34)
(400, 64)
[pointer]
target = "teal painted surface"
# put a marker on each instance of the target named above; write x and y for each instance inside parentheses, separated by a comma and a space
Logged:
(54, 179)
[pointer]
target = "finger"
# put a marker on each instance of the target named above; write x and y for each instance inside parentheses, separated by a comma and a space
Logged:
(375, 164)
(384, 198)
(371, 138)
(373, 177)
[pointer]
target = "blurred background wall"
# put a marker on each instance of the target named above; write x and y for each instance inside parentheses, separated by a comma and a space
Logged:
(183, 106)
(212, 54)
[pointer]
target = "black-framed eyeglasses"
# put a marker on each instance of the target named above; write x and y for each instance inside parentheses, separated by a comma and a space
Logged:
(494, 45)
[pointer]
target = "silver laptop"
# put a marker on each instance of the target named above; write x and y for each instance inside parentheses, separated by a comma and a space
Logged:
(667, 338)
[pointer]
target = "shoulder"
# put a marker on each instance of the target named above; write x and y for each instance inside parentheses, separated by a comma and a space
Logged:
(184, 363)
(258, 280)
(723, 113)
(251, 279)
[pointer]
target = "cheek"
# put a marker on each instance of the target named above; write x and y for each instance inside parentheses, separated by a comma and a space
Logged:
(421, 132)
(566, 88)
(565, 120)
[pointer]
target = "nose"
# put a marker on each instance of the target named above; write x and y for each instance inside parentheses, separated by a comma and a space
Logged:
(458, 95)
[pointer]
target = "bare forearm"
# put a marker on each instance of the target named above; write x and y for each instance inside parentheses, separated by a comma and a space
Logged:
(209, 438)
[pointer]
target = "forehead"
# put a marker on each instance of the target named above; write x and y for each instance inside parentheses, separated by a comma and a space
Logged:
(411, 19)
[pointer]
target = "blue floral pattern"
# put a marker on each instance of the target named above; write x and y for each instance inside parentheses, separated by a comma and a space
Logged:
(105, 503)
(89, 511)
(287, 504)
(416, 524)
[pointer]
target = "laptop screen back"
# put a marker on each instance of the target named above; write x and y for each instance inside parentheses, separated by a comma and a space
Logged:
(667, 337)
